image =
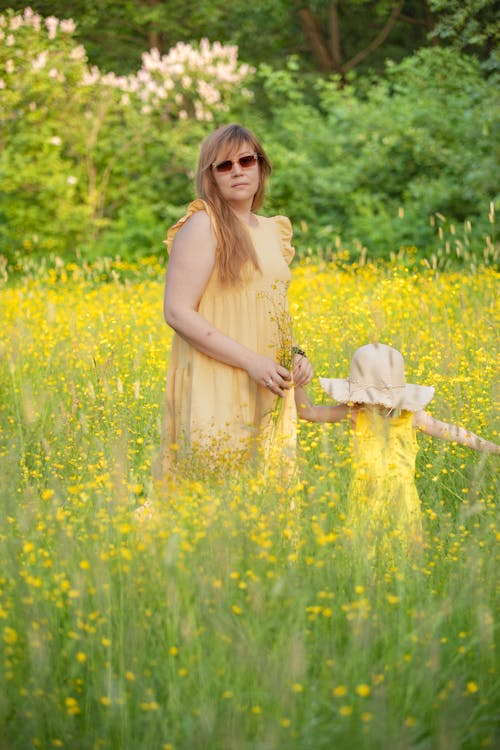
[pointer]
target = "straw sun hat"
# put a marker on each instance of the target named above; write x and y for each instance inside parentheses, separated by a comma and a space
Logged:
(377, 376)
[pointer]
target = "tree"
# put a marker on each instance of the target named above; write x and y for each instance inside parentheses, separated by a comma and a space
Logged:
(331, 28)
(326, 35)
(472, 26)
(374, 165)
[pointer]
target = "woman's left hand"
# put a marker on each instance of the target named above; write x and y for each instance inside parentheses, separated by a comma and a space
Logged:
(303, 371)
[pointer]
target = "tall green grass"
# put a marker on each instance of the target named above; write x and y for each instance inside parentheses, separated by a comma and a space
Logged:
(241, 613)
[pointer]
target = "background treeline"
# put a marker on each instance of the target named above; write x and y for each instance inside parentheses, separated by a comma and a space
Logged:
(381, 120)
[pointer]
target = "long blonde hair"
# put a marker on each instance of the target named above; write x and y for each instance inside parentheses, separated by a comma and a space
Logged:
(234, 245)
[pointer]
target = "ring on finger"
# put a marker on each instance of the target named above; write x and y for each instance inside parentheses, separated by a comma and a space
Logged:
(269, 382)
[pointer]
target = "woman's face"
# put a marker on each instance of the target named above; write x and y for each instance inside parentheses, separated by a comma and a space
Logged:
(238, 181)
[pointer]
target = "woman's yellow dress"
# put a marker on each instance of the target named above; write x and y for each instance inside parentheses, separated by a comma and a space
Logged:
(213, 409)
(384, 505)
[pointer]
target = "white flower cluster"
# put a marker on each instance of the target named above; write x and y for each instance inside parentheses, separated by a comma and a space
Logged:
(31, 19)
(188, 81)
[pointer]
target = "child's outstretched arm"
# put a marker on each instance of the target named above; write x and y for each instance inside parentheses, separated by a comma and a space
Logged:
(313, 413)
(453, 433)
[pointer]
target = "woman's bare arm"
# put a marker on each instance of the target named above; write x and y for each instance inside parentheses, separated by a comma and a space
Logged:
(191, 263)
(452, 432)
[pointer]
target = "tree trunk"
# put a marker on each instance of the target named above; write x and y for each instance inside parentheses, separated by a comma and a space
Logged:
(314, 35)
(154, 39)
(334, 26)
(379, 39)
(327, 52)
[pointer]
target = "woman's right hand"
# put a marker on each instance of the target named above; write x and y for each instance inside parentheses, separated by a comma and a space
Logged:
(270, 374)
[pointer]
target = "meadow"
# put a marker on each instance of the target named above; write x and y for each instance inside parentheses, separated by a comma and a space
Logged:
(238, 614)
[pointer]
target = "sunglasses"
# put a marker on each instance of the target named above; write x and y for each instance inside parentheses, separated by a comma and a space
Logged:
(245, 162)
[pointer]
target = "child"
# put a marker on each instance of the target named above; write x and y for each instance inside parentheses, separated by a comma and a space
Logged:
(384, 412)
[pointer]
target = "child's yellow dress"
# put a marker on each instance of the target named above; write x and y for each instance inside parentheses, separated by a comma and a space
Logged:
(383, 500)
(213, 409)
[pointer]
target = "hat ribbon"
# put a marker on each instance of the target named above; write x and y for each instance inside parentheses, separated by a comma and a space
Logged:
(377, 386)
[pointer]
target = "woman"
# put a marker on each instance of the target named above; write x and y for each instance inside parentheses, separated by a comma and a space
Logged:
(225, 297)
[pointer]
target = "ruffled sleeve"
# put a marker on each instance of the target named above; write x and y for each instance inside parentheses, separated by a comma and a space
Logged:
(196, 205)
(286, 232)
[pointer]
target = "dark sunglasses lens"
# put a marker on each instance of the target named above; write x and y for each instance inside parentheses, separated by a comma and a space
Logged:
(247, 161)
(224, 166)
(244, 161)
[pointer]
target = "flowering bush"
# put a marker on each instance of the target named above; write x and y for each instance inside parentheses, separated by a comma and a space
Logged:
(189, 82)
(85, 153)
(41, 132)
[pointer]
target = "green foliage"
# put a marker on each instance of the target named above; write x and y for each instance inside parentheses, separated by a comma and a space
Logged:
(373, 165)
(115, 33)
(40, 182)
(96, 164)
(472, 26)
(90, 163)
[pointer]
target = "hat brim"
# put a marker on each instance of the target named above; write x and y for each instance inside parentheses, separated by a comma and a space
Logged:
(409, 397)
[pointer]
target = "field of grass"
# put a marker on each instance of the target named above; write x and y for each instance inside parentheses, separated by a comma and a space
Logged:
(240, 615)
